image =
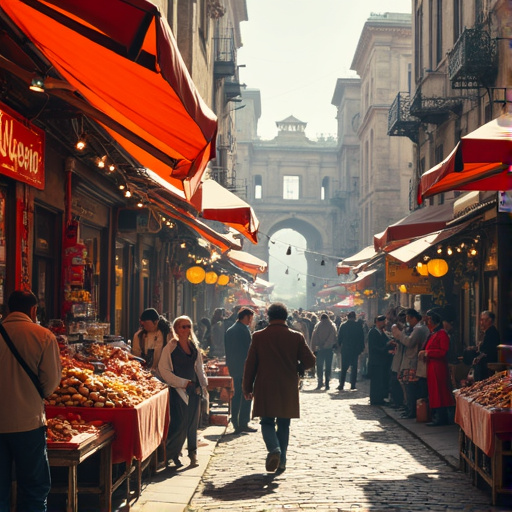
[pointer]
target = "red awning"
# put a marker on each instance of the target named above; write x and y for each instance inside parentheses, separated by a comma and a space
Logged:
(121, 56)
(217, 203)
(414, 249)
(247, 262)
(481, 161)
(418, 223)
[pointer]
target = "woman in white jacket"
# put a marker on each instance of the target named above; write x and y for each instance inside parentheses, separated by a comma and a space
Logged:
(181, 367)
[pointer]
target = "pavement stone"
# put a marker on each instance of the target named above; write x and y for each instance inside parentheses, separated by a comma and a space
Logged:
(344, 455)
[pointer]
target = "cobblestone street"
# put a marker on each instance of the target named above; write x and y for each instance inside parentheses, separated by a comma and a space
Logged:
(344, 455)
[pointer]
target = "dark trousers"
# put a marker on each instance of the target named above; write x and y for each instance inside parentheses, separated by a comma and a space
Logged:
(378, 375)
(324, 364)
(349, 360)
(395, 389)
(183, 425)
(411, 392)
(240, 407)
(27, 450)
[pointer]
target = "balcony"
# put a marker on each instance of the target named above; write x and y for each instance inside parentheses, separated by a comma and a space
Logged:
(472, 63)
(400, 121)
(432, 103)
(232, 89)
(225, 56)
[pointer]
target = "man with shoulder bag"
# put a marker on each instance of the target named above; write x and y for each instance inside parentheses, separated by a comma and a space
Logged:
(31, 370)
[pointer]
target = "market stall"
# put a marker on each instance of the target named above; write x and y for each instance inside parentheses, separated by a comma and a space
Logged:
(484, 414)
(104, 384)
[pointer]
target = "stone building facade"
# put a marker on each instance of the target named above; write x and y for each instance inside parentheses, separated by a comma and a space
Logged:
(383, 61)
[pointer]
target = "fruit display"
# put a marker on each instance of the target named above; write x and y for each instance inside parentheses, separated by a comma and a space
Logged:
(123, 383)
(494, 392)
(64, 428)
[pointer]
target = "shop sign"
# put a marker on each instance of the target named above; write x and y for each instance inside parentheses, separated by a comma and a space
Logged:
(21, 149)
(398, 273)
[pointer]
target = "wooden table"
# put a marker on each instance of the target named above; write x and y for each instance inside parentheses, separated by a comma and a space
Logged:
(71, 455)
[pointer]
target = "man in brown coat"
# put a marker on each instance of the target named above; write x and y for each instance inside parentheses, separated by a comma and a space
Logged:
(270, 376)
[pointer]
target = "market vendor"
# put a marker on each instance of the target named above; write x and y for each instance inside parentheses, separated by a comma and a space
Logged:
(154, 333)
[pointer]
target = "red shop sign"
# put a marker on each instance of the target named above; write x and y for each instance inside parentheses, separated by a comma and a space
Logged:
(21, 149)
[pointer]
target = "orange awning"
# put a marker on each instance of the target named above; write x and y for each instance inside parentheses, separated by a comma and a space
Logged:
(362, 280)
(418, 223)
(480, 161)
(247, 262)
(217, 203)
(121, 56)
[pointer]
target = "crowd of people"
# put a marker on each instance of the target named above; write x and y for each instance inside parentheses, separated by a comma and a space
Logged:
(406, 355)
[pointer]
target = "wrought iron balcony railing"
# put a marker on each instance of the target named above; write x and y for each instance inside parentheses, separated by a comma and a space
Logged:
(473, 63)
(225, 55)
(400, 121)
(434, 108)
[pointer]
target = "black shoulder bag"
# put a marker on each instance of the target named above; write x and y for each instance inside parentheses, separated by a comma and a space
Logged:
(24, 365)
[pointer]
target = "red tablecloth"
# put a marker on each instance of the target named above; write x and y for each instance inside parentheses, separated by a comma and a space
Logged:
(139, 430)
(481, 424)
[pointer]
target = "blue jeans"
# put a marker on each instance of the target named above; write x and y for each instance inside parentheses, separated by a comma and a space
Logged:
(276, 440)
(27, 450)
(240, 407)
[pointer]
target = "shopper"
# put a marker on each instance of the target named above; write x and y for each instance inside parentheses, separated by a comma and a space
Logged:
(271, 377)
(411, 341)
(237, 341)
(379, 346)
(351, 343)
(22, 415)
(181, 367)
(154, 333)
(438, 381)
(323, 340)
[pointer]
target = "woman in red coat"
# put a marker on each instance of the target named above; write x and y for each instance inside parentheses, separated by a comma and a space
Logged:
(439, 391)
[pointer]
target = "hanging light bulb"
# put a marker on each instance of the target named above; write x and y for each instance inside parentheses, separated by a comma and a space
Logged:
(449, 251)
(286, 271)
(439, 250)
(37, 84)
(122, 187)
(80, 143)
(111, 167)
(101, 162)
(289, 250)
(322, 263)
(127, 193)
(140, 204)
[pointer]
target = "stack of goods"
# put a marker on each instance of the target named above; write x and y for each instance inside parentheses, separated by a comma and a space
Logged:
(62, 429)
(122, 383)
(494, 392)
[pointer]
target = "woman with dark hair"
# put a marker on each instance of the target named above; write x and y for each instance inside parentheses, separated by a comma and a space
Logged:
(149, 341)
(438, 381)
(181, 367)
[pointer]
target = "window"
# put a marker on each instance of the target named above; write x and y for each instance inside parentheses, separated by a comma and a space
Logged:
(324, 191)
(439, 153)
(418, 44)
(457, 19)
(257, 187)
(291, 187)
(439, 32)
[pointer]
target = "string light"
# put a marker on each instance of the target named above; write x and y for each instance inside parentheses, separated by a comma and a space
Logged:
(127, 193)
(289, 250)
(111, 167)
(140, 204)
(301, 250)
(322, 263)
(80, 143)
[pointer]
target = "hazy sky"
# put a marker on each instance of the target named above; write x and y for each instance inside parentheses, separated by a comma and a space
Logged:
(295, 50)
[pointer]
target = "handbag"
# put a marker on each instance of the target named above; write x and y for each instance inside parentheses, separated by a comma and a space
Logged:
(24, 365)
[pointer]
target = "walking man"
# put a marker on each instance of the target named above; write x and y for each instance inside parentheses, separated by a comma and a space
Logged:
(351, 342)
(271, 377)
(322, 342)
(237, 341)
(22, 416)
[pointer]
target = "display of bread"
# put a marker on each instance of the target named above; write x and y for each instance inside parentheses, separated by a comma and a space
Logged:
(64, 428)
(496, 391)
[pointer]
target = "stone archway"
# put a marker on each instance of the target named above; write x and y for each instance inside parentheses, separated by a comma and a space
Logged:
(316, 245)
